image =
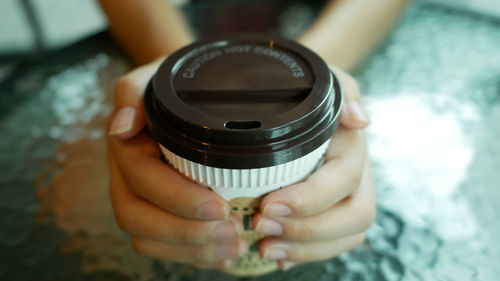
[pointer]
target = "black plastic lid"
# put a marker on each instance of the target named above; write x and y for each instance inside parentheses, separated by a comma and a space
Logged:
(243, 101)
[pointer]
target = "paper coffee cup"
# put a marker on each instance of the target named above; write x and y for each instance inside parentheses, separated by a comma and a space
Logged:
(244, 115)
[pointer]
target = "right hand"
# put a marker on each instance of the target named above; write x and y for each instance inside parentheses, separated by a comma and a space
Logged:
(168, 216)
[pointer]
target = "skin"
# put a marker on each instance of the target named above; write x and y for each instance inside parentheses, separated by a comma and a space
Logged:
(172, 218)
(148, 29)
(169, 217)
(342, 39)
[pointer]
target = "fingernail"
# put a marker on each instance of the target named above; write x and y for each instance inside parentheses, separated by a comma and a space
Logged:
(242, 248)
(356, 111)
(211, 211)
(269, 227)
(286, 265)
(123, 120)
(237, 223)
(277, 210)
(229, 251)
(226, 251)
(275, 254)
(225, 230)
(227, 264)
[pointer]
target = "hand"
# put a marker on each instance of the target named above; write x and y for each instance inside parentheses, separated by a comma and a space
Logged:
(168, 216)
(329, 212)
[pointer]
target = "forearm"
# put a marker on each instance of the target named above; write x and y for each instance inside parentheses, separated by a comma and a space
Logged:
(347, 30)
(147, 29)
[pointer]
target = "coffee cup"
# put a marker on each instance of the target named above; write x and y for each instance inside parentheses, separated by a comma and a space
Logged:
(244, 115)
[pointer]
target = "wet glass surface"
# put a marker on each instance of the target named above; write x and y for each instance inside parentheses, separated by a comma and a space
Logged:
(433, 92)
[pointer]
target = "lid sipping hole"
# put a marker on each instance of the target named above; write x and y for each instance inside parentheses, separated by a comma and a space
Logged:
(243, 125)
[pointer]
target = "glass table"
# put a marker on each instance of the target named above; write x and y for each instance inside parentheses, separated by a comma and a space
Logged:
(433, 93)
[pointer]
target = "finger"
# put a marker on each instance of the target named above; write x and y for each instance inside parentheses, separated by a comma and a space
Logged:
(208, 254)
(155, 181)
(301, 252)
(141, 218)
(286, 265)
(223, 264)
(334, 181)
(352, 215)
(129, 118)
(353, 115)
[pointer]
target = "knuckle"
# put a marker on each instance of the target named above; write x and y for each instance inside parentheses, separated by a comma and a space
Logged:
(298, 203)
(301, 232)
(138, 246)
(353, 177)
(356, 177)
(366, 214)
(369, 218)
(195, 235)
(204, 255)
(300, 254)
(361, 239)
(124, 86)
(353, 86)
(168, 200)
(122, 215)
(357, 241)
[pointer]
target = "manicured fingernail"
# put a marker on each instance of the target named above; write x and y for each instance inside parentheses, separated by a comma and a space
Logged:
(225, 230)
(277, 210)
(211, 211)
(286, 265)
(123, 120)
(242, 248)
(275, 254)
(237, 223)
(269, 227)
(356, 111)
(227, 264)
(230, 250)
(227, 251)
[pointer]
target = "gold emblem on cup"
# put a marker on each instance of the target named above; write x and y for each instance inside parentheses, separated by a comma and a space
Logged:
(252, 263)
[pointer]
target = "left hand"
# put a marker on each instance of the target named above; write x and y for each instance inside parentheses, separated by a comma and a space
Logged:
(330, 212)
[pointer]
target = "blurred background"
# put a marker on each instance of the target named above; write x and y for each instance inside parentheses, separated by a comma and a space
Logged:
(432, 90)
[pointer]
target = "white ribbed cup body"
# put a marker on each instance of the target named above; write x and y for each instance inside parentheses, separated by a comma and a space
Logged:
(243, 189)
(233, 183)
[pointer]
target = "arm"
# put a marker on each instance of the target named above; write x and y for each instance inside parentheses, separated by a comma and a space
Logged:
(347, 30)
(147, 28)
(172, 218)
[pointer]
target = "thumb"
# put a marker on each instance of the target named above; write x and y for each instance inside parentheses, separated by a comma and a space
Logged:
(128, 117)
(353, 115)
